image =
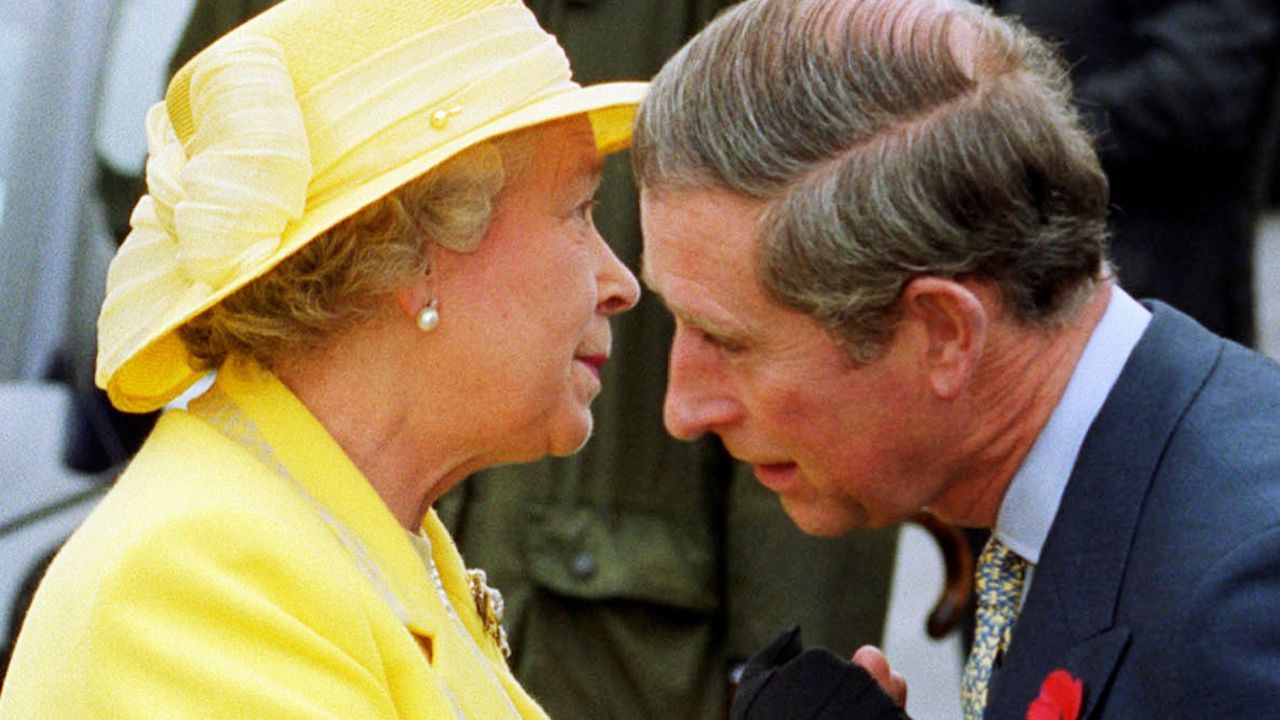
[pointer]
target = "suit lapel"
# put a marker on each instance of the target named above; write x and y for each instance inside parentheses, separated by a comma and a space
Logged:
(1068, 620)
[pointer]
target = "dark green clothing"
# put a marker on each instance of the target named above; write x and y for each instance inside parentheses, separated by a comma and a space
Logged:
(640, 571)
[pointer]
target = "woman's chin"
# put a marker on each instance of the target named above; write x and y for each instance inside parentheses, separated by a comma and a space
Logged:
(571, 438)
(557, 436)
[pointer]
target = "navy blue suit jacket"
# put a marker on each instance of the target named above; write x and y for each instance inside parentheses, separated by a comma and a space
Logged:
(1159, 582)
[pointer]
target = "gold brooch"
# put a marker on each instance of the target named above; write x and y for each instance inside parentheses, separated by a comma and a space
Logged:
(489, 604)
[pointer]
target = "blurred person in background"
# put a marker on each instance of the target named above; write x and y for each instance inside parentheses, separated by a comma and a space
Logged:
(1184, 96)
(382, 240)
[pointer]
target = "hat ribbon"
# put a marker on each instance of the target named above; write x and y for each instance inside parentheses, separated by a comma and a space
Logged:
(225, 200)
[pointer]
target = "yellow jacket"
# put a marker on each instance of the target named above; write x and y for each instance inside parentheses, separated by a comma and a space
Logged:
(243, 568)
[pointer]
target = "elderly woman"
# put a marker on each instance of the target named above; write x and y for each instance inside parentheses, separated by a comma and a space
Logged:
(373, 219)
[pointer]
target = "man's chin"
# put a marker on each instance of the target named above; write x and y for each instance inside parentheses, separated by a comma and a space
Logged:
(821, 520)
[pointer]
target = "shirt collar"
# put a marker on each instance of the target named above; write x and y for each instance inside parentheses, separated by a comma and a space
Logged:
(1035, 492)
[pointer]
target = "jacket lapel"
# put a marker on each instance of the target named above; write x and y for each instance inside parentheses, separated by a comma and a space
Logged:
(1068, 620)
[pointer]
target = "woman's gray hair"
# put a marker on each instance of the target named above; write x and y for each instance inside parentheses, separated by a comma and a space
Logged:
(888, 139)
(340, 278)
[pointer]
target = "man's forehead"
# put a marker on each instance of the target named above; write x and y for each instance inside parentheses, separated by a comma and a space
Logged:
(696, 274)
(695, 233)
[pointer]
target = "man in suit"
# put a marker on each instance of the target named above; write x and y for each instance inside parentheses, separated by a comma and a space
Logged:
(881, 229)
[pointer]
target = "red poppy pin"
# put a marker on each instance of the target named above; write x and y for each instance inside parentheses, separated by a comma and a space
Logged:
(1060, 698)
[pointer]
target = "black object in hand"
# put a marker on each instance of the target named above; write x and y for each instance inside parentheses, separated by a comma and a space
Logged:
(786, 682)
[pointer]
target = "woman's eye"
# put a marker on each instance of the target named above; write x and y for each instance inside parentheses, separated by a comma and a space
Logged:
(585, 210)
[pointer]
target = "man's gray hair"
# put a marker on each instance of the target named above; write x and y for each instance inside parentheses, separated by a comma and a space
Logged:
(888, 139)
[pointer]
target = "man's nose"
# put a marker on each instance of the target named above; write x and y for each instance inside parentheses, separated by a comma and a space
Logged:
(699, 399)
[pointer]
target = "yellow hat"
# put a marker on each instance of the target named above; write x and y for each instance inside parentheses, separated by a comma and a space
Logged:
(296, 120)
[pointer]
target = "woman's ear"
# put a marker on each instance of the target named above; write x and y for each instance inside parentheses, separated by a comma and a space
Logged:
(953, 321)
(415, 295)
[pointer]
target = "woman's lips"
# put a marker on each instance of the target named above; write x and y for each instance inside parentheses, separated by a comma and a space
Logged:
(593, 363)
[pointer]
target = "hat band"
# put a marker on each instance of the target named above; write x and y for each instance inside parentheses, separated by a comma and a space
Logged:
(413, 97)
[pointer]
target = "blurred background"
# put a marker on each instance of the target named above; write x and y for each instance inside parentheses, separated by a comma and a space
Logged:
(76, 80)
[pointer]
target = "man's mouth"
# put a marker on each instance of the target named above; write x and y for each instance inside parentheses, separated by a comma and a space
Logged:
(778, 477)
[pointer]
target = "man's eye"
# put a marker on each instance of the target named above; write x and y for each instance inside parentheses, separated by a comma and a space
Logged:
(721, 343)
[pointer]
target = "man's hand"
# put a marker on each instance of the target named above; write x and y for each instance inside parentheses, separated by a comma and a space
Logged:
(784, 680)
(869, 658)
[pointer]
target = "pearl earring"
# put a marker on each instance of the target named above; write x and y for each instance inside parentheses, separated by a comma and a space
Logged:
(429, 317)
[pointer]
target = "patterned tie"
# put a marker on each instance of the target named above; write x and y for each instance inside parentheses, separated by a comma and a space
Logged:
(1001, 572)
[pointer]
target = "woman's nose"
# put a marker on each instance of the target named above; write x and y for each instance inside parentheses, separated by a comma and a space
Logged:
(619, 289)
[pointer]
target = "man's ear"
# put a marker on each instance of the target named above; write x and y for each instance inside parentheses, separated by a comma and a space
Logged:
(953, 322)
